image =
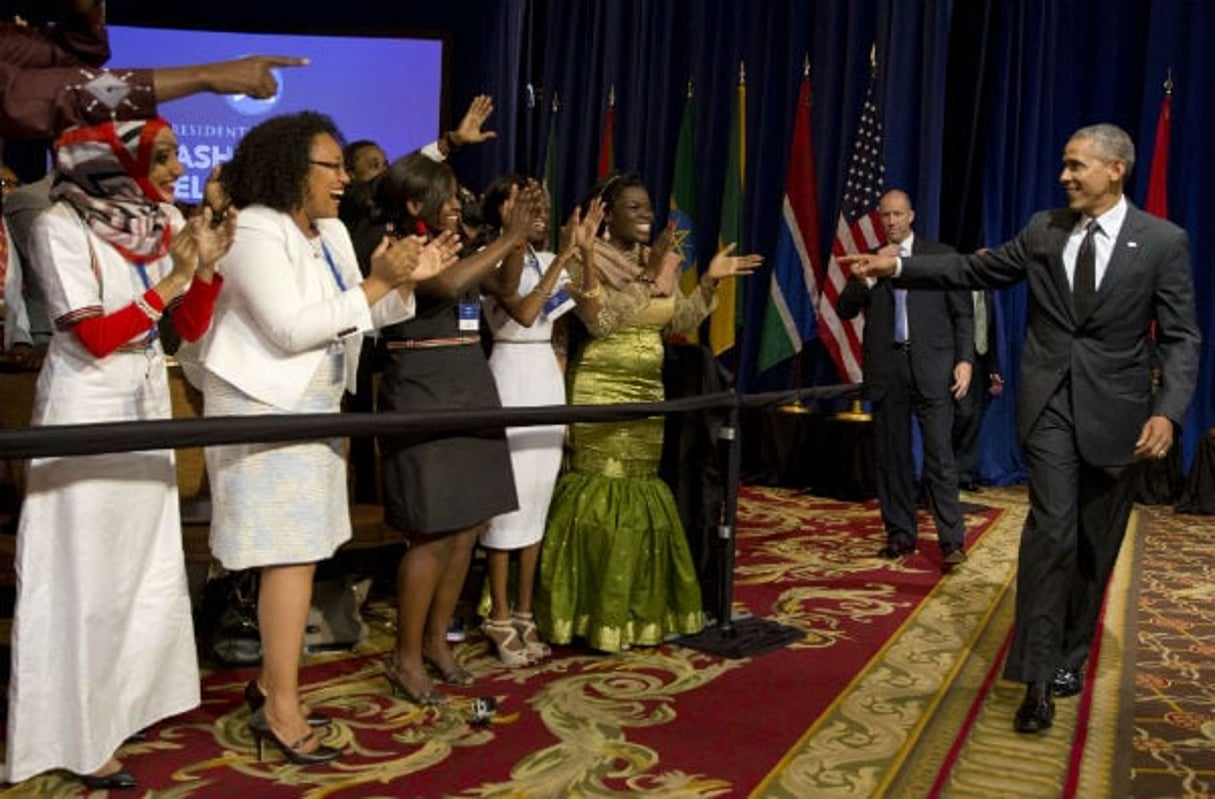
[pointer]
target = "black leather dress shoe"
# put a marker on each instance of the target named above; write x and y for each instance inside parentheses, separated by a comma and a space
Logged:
(896, 549)
(1037, 711)
(954, 556)
(1067, 681)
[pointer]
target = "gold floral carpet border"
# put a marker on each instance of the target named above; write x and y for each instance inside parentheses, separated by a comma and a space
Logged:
(929, 716)
(882, 679)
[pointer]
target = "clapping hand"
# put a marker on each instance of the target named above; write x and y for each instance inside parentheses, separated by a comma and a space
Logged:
(442, 251)
(394, 260)
(211, 241)
(215, 196)
(183, 248)
(580, 231)
(522, 208)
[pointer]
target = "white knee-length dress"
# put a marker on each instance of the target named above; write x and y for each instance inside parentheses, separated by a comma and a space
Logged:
(527, 373)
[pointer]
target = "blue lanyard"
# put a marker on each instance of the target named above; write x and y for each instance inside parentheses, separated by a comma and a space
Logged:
(153, 331)
(333, 270)
(533, 261)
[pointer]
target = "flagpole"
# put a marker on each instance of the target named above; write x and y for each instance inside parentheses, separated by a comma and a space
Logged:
(856, 411)
(799, 405)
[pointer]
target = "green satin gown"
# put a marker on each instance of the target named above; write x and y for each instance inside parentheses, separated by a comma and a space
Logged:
(615, 567)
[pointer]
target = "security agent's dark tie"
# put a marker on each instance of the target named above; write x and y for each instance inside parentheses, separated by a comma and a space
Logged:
(1084, 281)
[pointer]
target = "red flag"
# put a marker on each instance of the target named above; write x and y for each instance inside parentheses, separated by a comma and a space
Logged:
(607, 142)
(797, 269)
(859, 229)
(1157, 193)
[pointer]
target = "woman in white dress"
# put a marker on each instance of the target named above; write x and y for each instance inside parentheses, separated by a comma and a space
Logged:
(286, 339)
(527, 373)
(103, 640)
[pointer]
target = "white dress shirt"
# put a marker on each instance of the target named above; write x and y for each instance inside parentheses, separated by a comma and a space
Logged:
(1103, 241)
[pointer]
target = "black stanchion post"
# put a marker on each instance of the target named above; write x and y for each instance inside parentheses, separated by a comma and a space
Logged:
(730, 449)
(748, 636)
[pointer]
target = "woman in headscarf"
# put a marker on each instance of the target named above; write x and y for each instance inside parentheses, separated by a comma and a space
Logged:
(103, 639)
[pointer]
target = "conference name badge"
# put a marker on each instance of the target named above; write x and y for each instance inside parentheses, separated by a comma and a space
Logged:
(470, 316)
(558, 304)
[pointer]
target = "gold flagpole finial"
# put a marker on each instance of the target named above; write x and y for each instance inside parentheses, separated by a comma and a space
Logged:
(689, 88)
(612, 96)
(742, 73)
(806, 65)
(1168, 82)
(873, 56)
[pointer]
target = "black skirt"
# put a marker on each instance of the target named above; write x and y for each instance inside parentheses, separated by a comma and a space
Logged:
(443, 482)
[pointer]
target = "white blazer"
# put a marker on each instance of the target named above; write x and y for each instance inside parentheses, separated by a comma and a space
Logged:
(281, 307)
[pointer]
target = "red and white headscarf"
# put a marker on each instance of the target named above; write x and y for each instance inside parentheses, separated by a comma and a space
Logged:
(103, 174)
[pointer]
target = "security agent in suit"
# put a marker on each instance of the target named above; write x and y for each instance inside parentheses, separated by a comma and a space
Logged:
(917, 359)
(986, 383)
(1085, 410)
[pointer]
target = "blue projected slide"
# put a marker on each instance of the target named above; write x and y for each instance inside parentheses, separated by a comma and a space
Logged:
(386, 90)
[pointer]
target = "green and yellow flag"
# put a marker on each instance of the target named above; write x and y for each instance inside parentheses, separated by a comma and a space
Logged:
(683, 206)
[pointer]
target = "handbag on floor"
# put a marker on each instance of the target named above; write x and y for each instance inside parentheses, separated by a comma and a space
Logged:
(335, 620)
(230, 602)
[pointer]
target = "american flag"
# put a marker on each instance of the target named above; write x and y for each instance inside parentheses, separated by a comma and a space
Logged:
(858, 230)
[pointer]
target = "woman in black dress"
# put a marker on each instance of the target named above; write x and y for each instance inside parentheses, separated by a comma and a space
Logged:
(440, 489)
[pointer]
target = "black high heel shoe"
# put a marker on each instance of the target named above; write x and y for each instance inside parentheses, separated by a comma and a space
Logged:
(255, 699)
(260, 727)
(120, 780)
(432, 698)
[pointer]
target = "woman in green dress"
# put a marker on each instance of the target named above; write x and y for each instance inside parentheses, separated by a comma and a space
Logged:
(615, 567)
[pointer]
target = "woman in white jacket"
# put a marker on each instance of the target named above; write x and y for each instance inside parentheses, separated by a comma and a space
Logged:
(286, 339)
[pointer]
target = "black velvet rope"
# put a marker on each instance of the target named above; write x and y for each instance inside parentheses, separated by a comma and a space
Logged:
(92, 439)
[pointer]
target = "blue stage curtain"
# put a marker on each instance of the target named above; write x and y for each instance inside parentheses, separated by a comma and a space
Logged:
(978, 100)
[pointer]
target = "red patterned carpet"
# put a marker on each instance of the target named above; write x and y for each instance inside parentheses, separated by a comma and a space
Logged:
(890, 693)
(1173, 736)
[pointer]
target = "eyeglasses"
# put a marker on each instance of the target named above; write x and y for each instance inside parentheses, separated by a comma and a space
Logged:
(336, 166)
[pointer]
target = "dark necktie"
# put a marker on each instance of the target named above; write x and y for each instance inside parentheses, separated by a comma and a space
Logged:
(900, 315)
(1084, 281)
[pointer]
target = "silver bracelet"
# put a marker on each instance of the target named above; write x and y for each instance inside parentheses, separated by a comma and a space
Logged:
(147, 308)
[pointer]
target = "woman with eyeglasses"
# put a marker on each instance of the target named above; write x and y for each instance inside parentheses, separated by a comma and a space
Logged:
(286, 339)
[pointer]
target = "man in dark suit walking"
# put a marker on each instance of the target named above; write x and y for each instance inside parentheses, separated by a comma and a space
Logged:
(1100, 272)
(918, 348)
(985, 382)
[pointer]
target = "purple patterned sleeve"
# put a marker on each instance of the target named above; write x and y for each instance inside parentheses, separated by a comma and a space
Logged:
(41, 103)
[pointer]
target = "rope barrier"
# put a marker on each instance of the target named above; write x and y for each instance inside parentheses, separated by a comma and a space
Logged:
(130, 436)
